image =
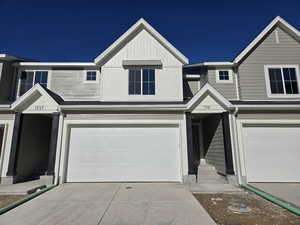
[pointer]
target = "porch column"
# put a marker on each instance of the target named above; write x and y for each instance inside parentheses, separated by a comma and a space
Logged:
(227, 144)
(192, 170)
(53, 144)
(13, 157)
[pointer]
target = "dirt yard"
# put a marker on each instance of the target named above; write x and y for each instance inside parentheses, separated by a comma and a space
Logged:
(262, 211)
(7, 199)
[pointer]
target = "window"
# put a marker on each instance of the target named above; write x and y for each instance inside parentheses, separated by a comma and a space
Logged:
(141, 81)
(223, 76)
(41, 77)
(91, 75)
(29, 78)
(282, 80)
(134, 82)
(148, 82)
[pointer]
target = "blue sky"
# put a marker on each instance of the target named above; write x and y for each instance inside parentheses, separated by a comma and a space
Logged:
(80, 30)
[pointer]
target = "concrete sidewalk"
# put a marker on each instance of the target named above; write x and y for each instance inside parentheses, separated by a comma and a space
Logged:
(287, 192)
(111, 204)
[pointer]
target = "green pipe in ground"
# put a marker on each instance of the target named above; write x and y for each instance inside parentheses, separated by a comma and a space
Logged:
(272, 199)
(26, 199)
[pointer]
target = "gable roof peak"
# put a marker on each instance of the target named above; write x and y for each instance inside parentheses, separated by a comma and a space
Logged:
(131, 31)
(277, 21)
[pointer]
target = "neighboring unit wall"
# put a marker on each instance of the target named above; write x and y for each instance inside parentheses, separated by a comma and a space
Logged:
(269, 52)
(214, 142)
(168, 78)
(228, 90)
(72, 85)
(7, 82)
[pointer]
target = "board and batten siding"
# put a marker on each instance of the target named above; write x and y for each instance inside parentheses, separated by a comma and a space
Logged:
(143, 46)
(268, 52)
(71, 85)
(214, 142)
(228, 90)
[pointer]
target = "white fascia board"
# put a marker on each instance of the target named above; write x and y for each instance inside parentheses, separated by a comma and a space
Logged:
(192, 76)
(278, 20)
(215, 64)
(150, 29)
(53, 64)
(125, 107)
(218, 63)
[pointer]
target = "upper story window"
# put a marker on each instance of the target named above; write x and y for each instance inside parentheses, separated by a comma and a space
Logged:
(30, 78)
(223, 76)
(91, 76)
(282, 81)
(141, 81)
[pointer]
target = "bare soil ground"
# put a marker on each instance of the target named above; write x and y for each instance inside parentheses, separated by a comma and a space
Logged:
(8, 199)
(262, 211)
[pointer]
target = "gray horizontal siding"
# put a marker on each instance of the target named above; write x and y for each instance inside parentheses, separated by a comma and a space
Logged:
(228, 90)
(251, 71)
(215, 143)
(194, 86)
(70, 85)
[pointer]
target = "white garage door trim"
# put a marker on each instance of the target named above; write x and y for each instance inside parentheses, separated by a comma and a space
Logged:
(257, 123)
(68, 124)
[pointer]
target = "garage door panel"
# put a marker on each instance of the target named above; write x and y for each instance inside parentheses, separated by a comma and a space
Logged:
(272, 153)
(123, 154)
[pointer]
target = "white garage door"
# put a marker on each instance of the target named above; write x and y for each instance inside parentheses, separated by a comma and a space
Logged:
(99, 154)
(272, 153)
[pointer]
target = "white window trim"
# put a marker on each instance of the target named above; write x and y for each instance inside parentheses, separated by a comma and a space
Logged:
(267, 81)
(30, 70)
(155, 86)
(230, 81)
(91, 81)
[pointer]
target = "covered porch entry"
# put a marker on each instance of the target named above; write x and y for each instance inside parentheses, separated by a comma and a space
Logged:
(209, 136)
(34, 140)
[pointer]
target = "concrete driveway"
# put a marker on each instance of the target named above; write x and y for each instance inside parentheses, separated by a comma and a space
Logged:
(111, 204)
(288, 192)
